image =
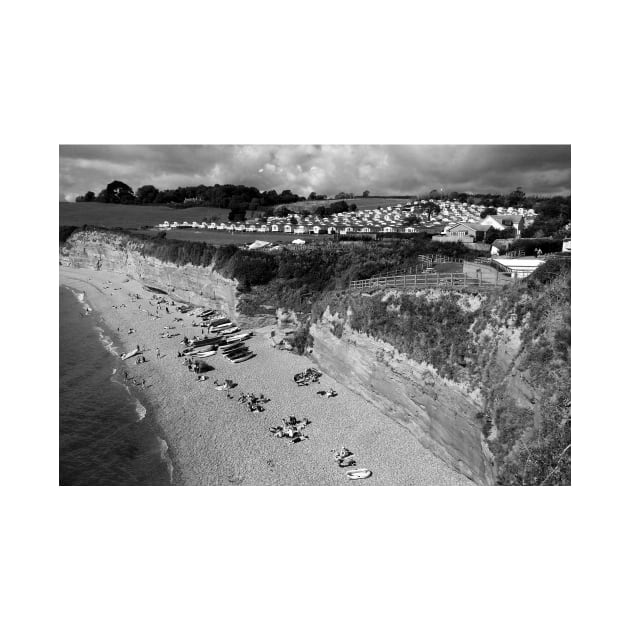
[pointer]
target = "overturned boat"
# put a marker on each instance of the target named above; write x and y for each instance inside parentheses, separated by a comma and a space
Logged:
(243, 357)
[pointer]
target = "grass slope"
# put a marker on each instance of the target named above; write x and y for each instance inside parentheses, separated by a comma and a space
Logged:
(124, 216)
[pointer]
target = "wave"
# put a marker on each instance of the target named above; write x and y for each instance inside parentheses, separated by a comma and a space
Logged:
(80, 295)
(141, 411)
(107, 342)
(165, 457)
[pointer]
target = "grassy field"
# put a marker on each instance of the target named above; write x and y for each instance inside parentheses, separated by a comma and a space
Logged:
(117, 215)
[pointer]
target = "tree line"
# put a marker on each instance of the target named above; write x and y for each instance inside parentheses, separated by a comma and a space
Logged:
(238, 198)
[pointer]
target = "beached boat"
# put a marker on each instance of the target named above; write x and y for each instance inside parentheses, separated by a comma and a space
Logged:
(233, 351)
(236, 353)
(220, 327)
(200, 348)
(207, 313)
(230, 346)
(230, 331)
(219, 320)
(204, 342)
(241, 337)
(203, 355)
(359, 473)
(242, 358)
(130, 354)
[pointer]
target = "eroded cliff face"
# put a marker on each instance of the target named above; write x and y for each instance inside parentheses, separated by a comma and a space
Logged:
(444, 415)
(200, 286)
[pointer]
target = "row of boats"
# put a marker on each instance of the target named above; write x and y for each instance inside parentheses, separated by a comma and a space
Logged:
(224, 337)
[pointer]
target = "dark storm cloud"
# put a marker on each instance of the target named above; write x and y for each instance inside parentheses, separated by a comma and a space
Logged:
(382, 169)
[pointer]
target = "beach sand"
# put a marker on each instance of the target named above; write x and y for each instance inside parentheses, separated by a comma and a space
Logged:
(213, 440)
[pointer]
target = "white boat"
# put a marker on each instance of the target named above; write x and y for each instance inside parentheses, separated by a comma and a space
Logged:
(358, 473)
(220, 328)
(229, 331)
(203, 355)
(130, 354)
(218, 321)
(241, 337)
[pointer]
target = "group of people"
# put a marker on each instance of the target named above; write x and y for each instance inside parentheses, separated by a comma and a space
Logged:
(291, 429)
(329, 393)
(310, 375)
(254, 403)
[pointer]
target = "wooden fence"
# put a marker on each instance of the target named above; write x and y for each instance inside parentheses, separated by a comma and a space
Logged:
(426, 280)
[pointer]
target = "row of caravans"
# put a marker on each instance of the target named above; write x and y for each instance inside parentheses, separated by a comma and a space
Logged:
(289, 228)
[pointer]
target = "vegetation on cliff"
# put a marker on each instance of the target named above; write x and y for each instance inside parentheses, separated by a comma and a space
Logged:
(460, 335)
(286, 278)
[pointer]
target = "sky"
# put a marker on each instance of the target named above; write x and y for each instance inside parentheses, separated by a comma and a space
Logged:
(326, 169)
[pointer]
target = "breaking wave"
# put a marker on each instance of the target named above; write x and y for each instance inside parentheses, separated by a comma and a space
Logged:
(165, 457)
(107, 342)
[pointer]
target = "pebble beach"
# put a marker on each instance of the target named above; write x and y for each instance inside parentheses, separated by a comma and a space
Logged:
(215, 440)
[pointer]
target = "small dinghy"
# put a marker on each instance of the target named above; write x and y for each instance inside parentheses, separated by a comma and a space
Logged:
(130, 354)
(244, 357)
(359, 473)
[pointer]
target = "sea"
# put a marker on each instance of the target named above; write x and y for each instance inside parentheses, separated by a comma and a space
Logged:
(106, 434)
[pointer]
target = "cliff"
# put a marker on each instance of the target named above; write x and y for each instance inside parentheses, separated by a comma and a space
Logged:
(201, 286)
(481, 380)
(439, 412)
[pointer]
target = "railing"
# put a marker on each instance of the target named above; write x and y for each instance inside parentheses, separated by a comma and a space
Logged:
(424, 262)
(425, 280)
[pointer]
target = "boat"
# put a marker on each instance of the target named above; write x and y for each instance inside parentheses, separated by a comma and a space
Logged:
(204, 342)
(155, 289)
(218, 321)
(229, 331)
(202, 348)
(358, 473)
(206, 313)
(242, 358)
(241, 337)
(229, 351)
(231, 346)
(220, 327)
(130, 354)
(203, 355)
(236, 353)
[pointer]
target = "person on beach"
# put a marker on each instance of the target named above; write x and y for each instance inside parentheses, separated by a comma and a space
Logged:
(126, 375)
(158, 352)
(137, 348)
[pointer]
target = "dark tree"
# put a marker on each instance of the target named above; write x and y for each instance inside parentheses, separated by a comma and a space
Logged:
(516, 198)
(366, 193)
(117, 192)
(431, 208)
(147, 194)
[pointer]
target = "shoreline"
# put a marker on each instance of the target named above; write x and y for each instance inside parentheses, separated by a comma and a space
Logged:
(213, 440)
